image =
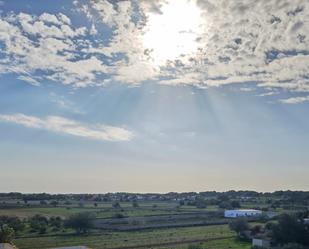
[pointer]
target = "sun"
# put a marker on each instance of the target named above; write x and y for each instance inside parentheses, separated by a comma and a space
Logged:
(173, 32)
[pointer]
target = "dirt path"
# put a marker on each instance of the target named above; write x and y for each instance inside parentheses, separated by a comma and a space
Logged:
(174, 243)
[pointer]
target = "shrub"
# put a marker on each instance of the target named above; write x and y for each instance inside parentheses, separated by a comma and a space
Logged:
(6, 234)
(38, 223)
(81, 222)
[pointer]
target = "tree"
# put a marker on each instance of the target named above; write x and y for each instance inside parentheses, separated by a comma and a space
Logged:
(135, 204)
(81, 222)
(118, 215)
(235, 204)
(269, 226)
(6, 234)
(239, 225)
(42, 202)
(293, 246)
(290, 229)
(256, 229)
(67, 203)
(225, 205)
(39, 223)
(200, 203)
(54, 203)
(13, 222)
(55, 222)
(116, 205)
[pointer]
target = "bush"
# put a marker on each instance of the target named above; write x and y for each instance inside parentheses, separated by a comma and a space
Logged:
(81, 222)
(38, 223)
(235, 204)
(13, 222)
(239, 225)
(54, 203)
(256, 229)
(56, 222)
(6, 234)
(290, 229)
(135, 204)
(293, 246)
(118, 215)
(116, 205)
(200, 203)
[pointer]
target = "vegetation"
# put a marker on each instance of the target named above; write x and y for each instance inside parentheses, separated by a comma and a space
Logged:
(81, 222)
(290, 230)
(6, 234)
(173, 220)
(8, 228)
(38, 223)
(239, 225)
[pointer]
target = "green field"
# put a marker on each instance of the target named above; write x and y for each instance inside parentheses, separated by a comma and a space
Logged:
(105, 210)
(150, 224)
(219, 237)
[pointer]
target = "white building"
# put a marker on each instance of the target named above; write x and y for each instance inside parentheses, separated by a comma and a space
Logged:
(242, 213)
(263, 243)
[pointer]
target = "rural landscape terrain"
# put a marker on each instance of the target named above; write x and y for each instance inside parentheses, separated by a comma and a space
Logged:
(173, 220)
(154, 124)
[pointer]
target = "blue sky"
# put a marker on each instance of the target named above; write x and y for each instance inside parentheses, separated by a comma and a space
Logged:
(99, 96)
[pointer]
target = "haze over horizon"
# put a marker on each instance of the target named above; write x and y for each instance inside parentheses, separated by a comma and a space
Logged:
(154, 96)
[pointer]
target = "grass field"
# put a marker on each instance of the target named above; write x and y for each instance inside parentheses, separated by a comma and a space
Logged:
(104, 210)
(160, 224)
(161, 238)
(46, 211)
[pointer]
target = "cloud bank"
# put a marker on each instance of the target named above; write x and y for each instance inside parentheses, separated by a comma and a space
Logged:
(263, 42)
(70, 127)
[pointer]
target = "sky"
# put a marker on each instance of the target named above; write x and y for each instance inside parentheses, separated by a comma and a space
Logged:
(154, 96)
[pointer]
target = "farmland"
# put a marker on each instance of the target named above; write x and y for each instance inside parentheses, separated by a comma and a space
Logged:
(169, 237)
(119, 223)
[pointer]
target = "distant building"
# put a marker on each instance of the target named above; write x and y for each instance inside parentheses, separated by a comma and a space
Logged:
(263, 243)
(6, 246)
(242, 213)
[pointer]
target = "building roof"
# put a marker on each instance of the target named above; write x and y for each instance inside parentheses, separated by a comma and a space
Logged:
(244, 210)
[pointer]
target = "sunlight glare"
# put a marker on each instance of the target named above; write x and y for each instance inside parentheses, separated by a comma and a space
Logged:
(173, 32)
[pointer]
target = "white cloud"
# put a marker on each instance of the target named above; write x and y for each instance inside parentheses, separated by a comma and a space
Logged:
(70, 127)
(49, 18)
(64, 19)
(267, 94)
(295, 100)
(29, 79)
(264, 42)
(49, 45)
(242, 41)
(246, 89)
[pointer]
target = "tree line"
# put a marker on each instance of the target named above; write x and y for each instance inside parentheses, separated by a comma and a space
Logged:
(10, 227)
